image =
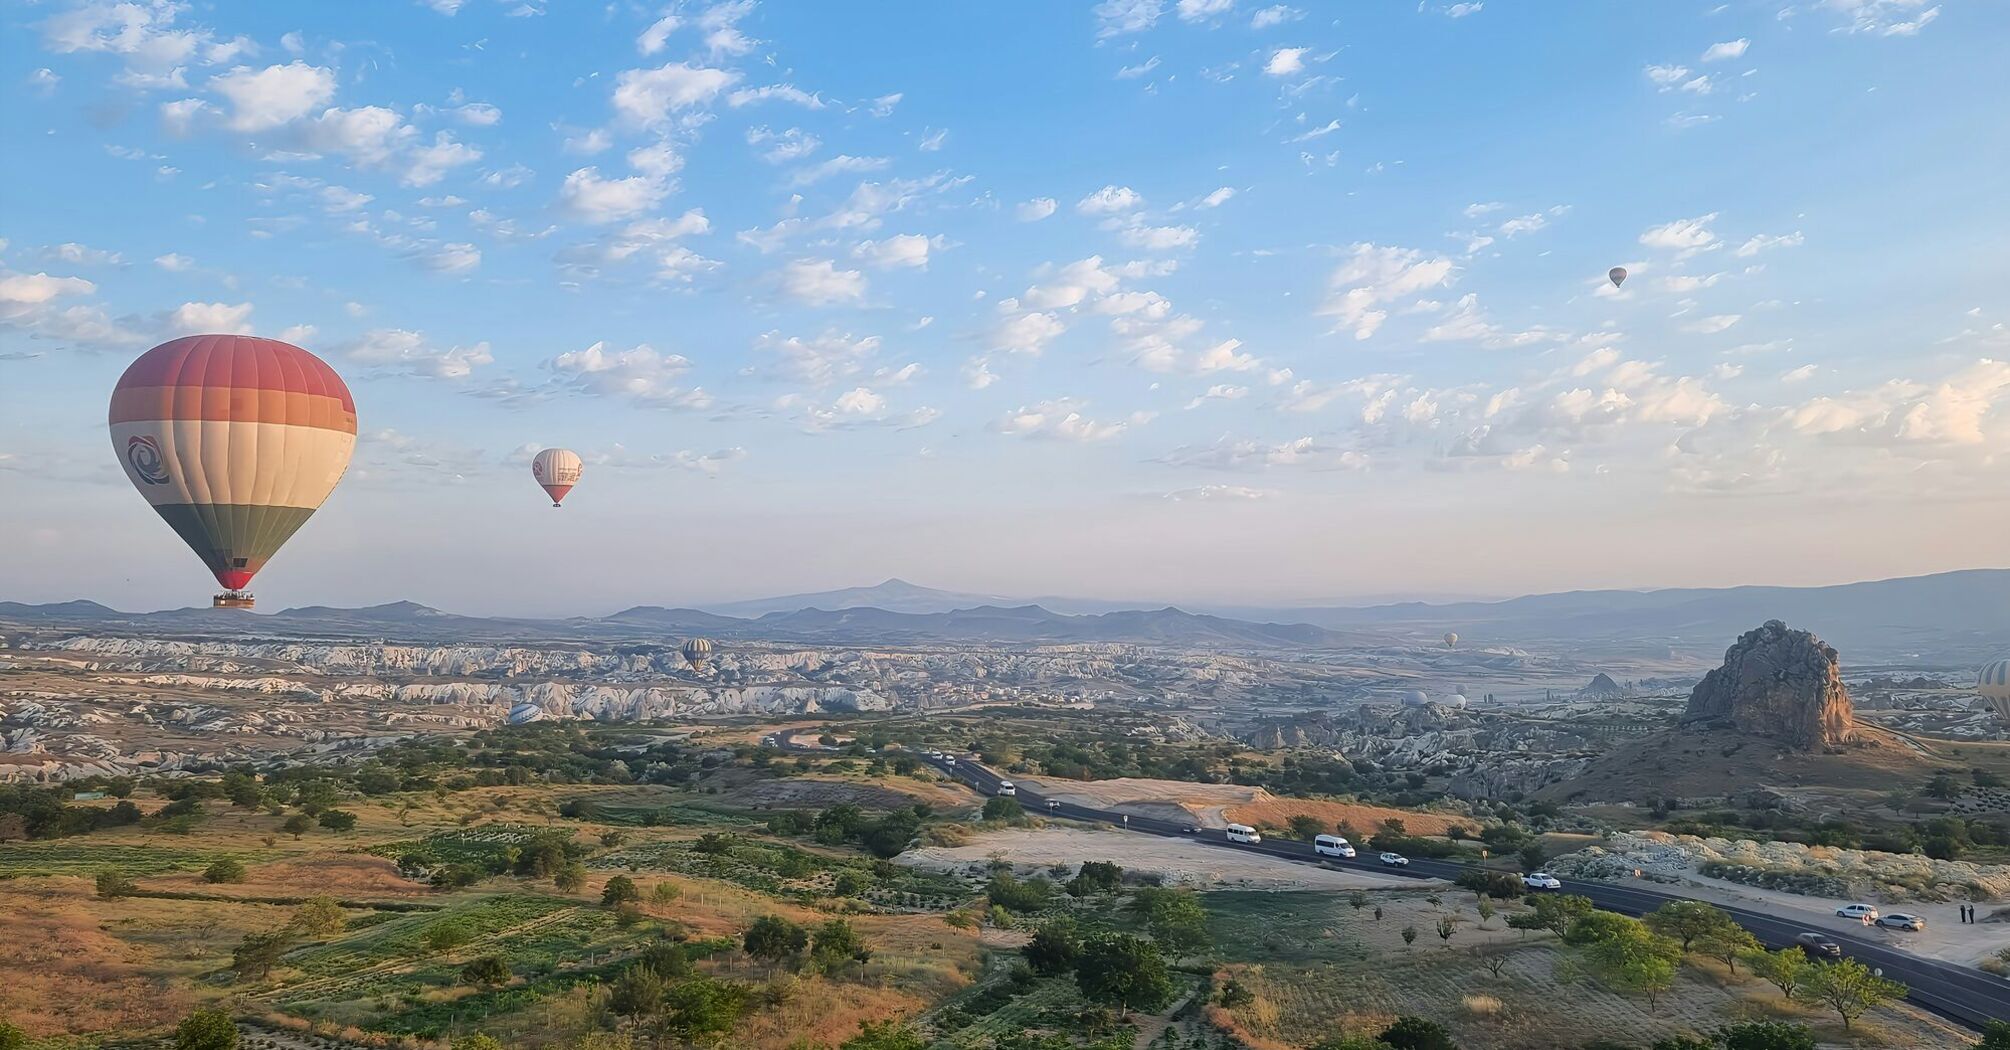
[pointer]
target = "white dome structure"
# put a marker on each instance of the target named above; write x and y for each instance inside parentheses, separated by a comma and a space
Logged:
(525, 713)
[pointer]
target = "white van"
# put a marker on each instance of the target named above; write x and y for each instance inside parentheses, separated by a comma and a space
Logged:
(1005, 788)
(1243, 833)
(1332, 846)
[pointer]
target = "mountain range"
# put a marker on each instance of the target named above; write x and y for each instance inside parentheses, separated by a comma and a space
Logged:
(1962, 613)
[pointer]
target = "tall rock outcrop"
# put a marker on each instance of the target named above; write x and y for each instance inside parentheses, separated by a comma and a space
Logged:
(1777, 683)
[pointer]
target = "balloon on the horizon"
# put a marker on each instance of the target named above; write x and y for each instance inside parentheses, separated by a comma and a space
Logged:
(1994, 685)
(697, 651)
(1617, 275)
(1416, 698)
(234, 441)
(1451, 640)
(557, 471)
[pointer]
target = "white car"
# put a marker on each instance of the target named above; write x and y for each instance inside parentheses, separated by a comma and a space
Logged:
(1395, 860)
(1053, 803)
(1332, 846)
(1864, 913)
(1540, 880)
(1005, 788)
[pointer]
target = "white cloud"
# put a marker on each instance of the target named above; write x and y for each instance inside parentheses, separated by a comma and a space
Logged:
(585, 195)
(1286, 61)
(1713, 324)
(1142, 68)
(774, 93)
(649, 97)
(641, 374)
(657, 35)
(1727, 50)
(80, 255)
(821, 360)
(1218, 197)
(263, 99)
(1036, 209)
(174, 262)
(1462, 10)
(1059, 420)
(1120, 17)
(883, 105)
(1109, 200)
(19, 290)
(1684, 237)
(1025, 333)
(1801, 374)
(409, 353)
(1667, 77)
(479, 114)
(1160, 238)
(1202, 10)
(195, 318)
(784, 146)
(1885, 17)
(1274, 15)
(659, 161)
(903, 250)
(842, 164)
(1251, 455)
(1072, 284)
(1376, 275)
(1764, 241)
(450, 258)
(818, 282)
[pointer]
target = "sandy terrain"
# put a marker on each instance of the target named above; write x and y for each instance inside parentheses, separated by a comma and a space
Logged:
(1179, 861)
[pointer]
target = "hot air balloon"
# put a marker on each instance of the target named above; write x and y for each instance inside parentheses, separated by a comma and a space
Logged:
(1617, 275)
(697, 651)
(557, 469)
(234, 441)
(1416, 698)
(1451, 640)
(1994, 685)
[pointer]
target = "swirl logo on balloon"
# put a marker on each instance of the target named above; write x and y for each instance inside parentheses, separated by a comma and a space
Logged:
(144, 453)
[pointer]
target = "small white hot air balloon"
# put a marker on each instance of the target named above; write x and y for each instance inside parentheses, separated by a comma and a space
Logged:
(557, 470)
(1617, 275)
(1994, 686)
(1451, 640)
(1416, 698)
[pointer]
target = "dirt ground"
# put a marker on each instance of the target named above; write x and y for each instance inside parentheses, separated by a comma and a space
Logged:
(56, 944)
(1177, 860)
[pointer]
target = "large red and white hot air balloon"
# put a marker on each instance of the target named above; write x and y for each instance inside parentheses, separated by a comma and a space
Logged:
(557, 470)
(234, 441)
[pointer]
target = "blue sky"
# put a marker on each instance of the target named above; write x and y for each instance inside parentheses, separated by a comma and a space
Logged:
(1183, 300)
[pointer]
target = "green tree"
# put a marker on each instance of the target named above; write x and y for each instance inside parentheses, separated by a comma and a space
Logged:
(1175, 920)
(1446, 924)
(1728, 943)
(477, 1041)
(1688, 921)
(1126, 972)
(256, 955)
(1019, 895)
(1306, 827)
(445, 936)
(1849, 988)
(338, 820)
(703, 1008)
(569, 878)
(836, 943)
(1003, 810)
(1409, 935)
(320, 916)
(112, 884)
(885, 1035)
(638, 992)
(297, 825)
(619, 890)
(1786, 969)
(1054, 948)
(206, 1029)
(226, 869)
(488, 969)
(1553, 912)
(1995, 1036)
(1416, 1033)
(12, 1038)
(1766, 1035)
(1678, 1042)
(1096, 876)
(772, 938)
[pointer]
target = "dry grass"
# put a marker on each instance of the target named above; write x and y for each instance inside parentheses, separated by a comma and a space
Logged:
(1277, 812)
(347, 876)
(64, 975)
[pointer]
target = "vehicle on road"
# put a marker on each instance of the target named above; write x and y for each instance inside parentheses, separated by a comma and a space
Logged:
(1818, 945)
(949, 760)
(1332, 846)
(1243, 833)
(1053, 803)
(1899, 920)
(1191, 829)
(1864, 913)
(1005, 788)
(1394, 860)
(1541, 880)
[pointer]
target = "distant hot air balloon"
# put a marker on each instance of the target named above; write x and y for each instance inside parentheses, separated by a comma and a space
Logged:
(1617, 275)
(557, 469)
(1416, 698)
(1994, 685)
(696, 651)
(234, 441)
(1451, 640)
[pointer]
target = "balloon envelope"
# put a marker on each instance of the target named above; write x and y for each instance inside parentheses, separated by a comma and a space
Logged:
(234, 442)
(1617, 275)
(1994, 686)
(557, 470)
(1451, 639)
(696, 650)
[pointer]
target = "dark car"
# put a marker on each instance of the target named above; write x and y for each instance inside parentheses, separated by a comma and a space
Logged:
(1818, 945)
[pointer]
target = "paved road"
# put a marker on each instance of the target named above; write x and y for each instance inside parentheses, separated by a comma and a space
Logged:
(1959, 993)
